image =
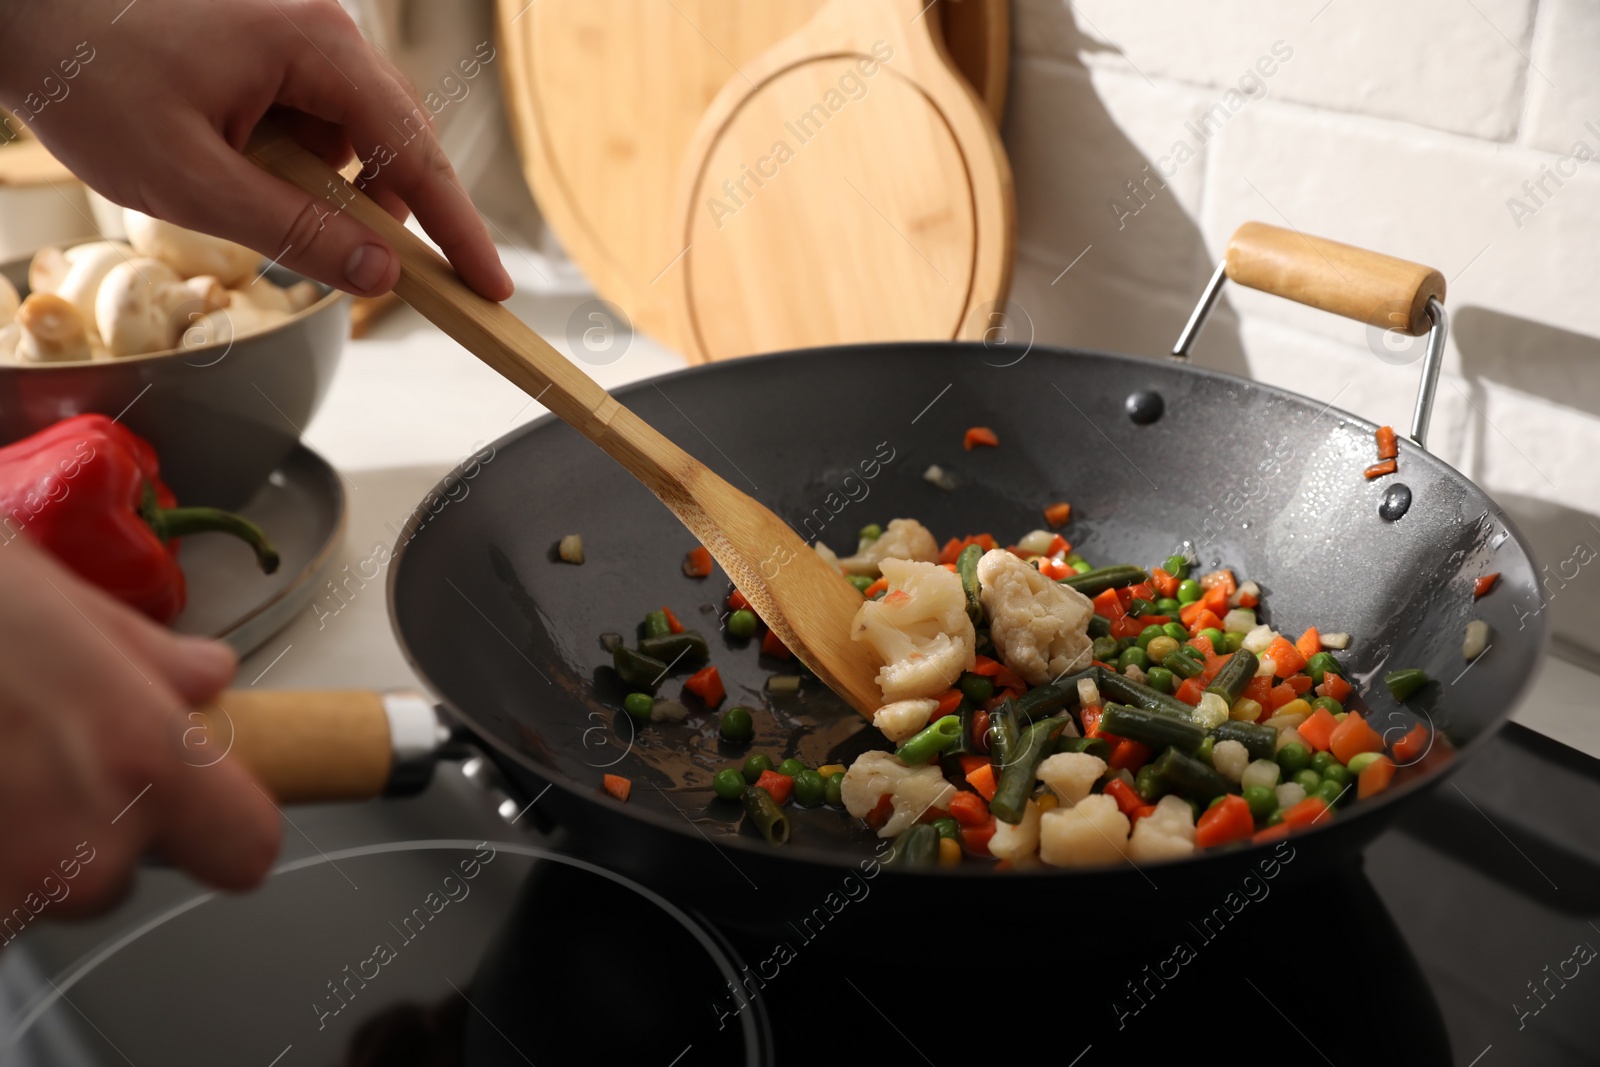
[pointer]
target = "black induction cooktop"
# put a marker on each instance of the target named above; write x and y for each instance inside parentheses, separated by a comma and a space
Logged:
(447, 930)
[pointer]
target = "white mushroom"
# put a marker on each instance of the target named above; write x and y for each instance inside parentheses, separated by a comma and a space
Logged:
(302, 294)
(263, 294)
(90, 264)
(9, 301)
(133, 307)
(187, 252)
(47, 270)
(10, 334)
(51, 331)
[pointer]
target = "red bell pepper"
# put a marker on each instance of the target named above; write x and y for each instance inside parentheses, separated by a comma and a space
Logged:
(88, 491)
(1228, 821)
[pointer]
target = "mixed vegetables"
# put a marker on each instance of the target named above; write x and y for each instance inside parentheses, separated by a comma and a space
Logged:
(1046, 711)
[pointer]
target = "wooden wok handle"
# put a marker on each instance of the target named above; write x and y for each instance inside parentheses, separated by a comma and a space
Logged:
(315, 746)
(1370, 287)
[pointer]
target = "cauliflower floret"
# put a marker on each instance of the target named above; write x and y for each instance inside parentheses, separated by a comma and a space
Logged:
(1165, 834)
(828, 554)
(1092, 833)
(901, 539)
(1016, 842)
(913, 790)
(1071, 774)
(1039, 625)
(903, 718)
(1230, 758)
(920, 629)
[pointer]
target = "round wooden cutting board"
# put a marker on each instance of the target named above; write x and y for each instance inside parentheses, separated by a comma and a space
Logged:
(605, 96)
(851, 187)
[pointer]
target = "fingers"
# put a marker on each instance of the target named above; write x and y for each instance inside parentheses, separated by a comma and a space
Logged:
(196, 669)
(215, 823)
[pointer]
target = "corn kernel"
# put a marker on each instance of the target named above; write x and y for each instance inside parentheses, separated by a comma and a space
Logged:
(1245, 710)
(830, 770)
(1295, 707)
(1047, 802)
(949, 852)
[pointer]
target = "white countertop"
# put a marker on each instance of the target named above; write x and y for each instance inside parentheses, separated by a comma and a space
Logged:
(408, 403)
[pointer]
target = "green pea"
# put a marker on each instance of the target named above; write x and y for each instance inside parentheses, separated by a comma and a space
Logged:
(1140, 606)
(1168, 606)
(729, 784)
(1308, 779)
(862, 582)
(1148, 634)
(1203, 753)
(809, 788)
(1081, 567)
(1160, 679)
(790, 767)
(742, 623)
(1339, 774)
(1125, 643)
(1177, 566)
(1146, 784)
(1214, 635)
(1188, 591)
(656, 625)
(638, 704)
(1217, 800)
(833, 791)
(1333, 706)
(755, 765)
(1133, 657)
(948, 827)
(737, 725)
(1322, 761)
(1262, 801)
(1293, 758)
(1320, 664)
(1362, 761)
(1276, 817)
(871, 532)
(1330, 792)
(1231, 642)
(1073, 559)
(976, 688)
(1177, 631)
(1105, 649)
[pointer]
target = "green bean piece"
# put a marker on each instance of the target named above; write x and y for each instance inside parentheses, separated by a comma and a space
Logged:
(1177, 773)
(1262, 801)
(930, 741)
(1081, 567)
(1177, 631)
(1153, 728)
(1308, 780)
(809, 788)
(687, 647)
(655, 625)
(1106, 649)
(1320, 664)
(833, 790)
(1003, 731)
(917, 847)
(754, 765)
(1146, 785)
(1093, 582)
(1099, 626)
(639, 705)
(1125, 643)
(1160, 679)
(790, 767)
(1404, 683)
(1188, 591)
(636, 669)
(1293, 758)
(870, 532)
(742, 624)
(767, 816)
(737, 727)
(975, 687)
(1125, 690)
(609, 642)
(967, 571)
(1094, 746)
(1193, 653)
(728, 784)
(1259, 739)
(1177, 566)
(1133, 657)
(1048, 699)
(947, 827)
(1181, 665)
(1332, 706)
(1022, 768)
(1235, 674)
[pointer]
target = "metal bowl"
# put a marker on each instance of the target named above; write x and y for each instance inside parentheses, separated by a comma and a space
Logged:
(221, 418)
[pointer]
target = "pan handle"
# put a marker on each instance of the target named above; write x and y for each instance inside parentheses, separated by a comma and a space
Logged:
(1379, 290)
(321, 745)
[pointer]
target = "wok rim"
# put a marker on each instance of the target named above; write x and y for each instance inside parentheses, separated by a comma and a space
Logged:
(1371, 810)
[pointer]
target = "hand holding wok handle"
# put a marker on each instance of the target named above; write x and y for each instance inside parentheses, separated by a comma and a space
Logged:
(1384, 292)
(323, 745)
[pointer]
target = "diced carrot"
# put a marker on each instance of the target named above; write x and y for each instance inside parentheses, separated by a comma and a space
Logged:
(1271, 833)
(737, 601)
(1223, 578)
(1375, 778)
(1155, 620)
(1091, 719)
(1388, 447)
(1318, 729)
(1127, 626)
(779, 785)
(772, 646)
(1259, 690)
(976, 838)
(1353, 737)
(1129, 755)
(1188, 613)
(1123, 794)
(1411, 747)
(1336, 687)
(972, 763)
(875, 588)
(880, 813)
(617, 786)
(980, 730)
(982, 779)
(1216, 600)
(1310, 643)
(706, 684)
(1058, 546)
(979, 435)
(1378, 470)
(951, 567)
(968, 809)
(1305, 813)
(1299, 683)
(952, 548)
(899, 596)
(1058, 514)
(1287, 658)
(1006, 678)
(697, 564)
(1482, 586)
(1206, 620)
(1141, 812)
(1190, 691)
(672, 621)
(1203, 644)
(1139, 590)
(1228, 821)
(1054, 569)
(1166, 584)
(1281, 695)
(987, 666)
(948, 703)
(1248, 600)
(1108, 605)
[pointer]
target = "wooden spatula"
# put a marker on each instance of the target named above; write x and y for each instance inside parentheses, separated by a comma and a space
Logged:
(805, 600)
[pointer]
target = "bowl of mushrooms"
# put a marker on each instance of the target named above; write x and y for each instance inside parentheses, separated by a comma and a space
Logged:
(216, 361)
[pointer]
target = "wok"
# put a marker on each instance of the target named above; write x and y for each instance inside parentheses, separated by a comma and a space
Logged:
(1154, 457)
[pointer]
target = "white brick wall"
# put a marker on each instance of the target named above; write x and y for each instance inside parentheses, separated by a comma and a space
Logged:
(1406, 127)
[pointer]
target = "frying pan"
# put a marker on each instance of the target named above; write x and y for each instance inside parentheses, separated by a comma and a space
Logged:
(1154, 457)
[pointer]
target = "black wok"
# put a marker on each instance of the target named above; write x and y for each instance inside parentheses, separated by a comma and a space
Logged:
(1253, 477)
